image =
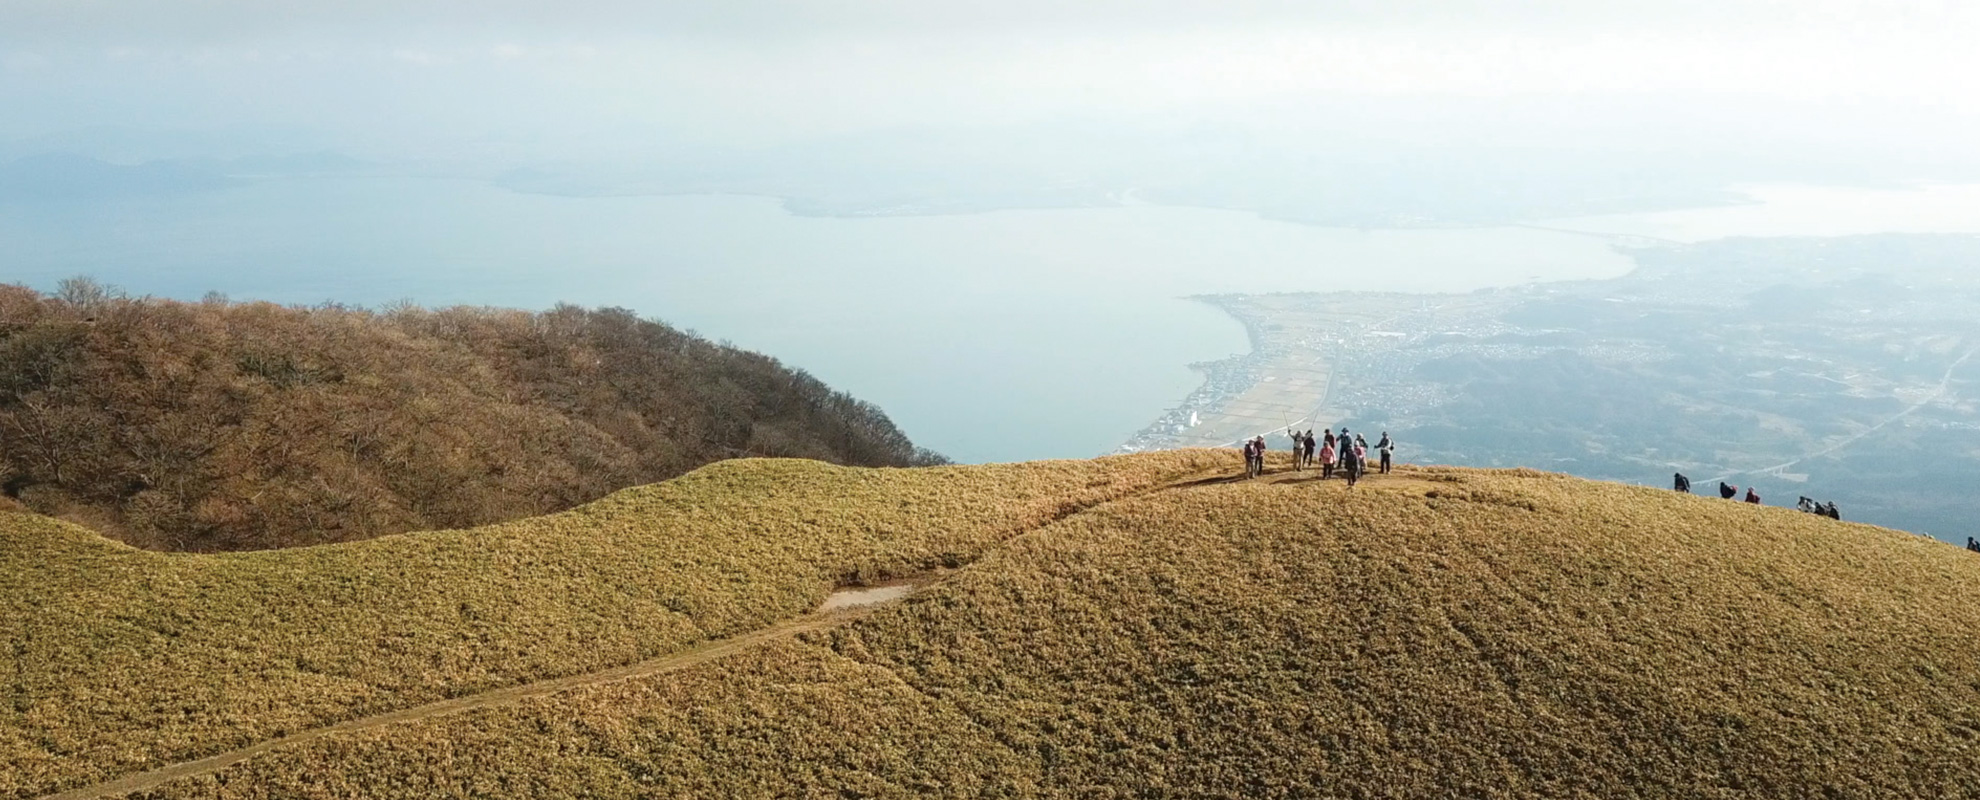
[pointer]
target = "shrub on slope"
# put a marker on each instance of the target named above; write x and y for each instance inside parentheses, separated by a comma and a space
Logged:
(1504, 635)
(221, 426)
(119, 660)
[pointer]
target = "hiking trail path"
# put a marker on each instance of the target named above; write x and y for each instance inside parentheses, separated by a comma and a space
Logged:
(843, 606)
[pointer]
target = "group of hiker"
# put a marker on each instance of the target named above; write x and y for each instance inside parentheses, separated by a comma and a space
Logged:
(1730, 492)
(1820, 509)
(1346, 453)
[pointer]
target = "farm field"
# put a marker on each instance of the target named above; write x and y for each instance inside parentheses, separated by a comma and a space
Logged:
(1133, 626)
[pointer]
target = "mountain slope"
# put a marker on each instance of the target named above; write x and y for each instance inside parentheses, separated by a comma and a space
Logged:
(117, 659)
(1435, 633)
(239, 426)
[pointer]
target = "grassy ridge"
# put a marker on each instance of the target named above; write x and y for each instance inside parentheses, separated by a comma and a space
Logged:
(1450, 634)
(121, 659)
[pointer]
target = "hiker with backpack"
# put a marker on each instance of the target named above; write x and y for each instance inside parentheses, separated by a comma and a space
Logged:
(1972, 545)
(1387, 448)
(1327, 458)
(1250, 459)
(1752, 496)
(1727, 490)
(1308, 454)
(1681, 484)
(1350, 462)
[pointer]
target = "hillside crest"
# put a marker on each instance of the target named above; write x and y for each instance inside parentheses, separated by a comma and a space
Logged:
(1149, 623)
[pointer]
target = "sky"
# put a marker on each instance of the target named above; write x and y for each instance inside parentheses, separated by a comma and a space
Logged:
(538, 79)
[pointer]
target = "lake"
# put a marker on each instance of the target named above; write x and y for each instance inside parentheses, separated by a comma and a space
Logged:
(999, 336)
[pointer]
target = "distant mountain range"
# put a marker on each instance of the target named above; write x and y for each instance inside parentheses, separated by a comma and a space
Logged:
(57, 177)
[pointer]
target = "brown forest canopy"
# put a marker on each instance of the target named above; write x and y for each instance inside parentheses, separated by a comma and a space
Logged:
(232, 426)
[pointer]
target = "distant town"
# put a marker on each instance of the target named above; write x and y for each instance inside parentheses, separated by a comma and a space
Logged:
(1838, 369)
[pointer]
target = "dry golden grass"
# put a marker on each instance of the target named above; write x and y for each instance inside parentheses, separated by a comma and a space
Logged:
(121, 660)
(1449, 634)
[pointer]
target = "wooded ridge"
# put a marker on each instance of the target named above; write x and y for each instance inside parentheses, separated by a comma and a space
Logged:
(219, 425)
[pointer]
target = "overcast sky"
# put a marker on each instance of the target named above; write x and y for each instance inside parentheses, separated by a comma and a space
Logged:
(540, 77)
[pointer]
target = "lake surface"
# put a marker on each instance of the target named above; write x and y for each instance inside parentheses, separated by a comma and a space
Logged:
(999, 336)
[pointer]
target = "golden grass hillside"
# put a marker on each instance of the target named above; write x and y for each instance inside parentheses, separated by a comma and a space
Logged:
(1436, 634)
(119, 660)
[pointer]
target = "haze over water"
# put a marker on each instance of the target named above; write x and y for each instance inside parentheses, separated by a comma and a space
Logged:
(995, 336)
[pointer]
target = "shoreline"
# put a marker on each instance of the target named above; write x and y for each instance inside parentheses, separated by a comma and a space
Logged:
(1210, 395)
(1299, 342)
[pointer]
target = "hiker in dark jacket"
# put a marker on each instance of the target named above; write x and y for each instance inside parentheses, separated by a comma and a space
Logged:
(1752, 496)
(1727, 490)
(1972, 545)
(1311, 444)
(1682, 483)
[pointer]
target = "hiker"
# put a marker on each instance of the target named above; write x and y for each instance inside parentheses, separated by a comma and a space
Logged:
(1807, 506)
(1360, 458)
(1387, 447)
(1258, 446)
(1327, 460)
(1250, 459)
(1972, 545)
(1833, 513)
(1681, 484)
(1309, 447)
(1350, 463)
(1752, 496)
(1298, 445)
(1342, 445)
(1727, 490)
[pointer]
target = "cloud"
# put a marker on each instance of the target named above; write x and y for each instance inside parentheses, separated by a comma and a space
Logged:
(205, 22)
(587, 70)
